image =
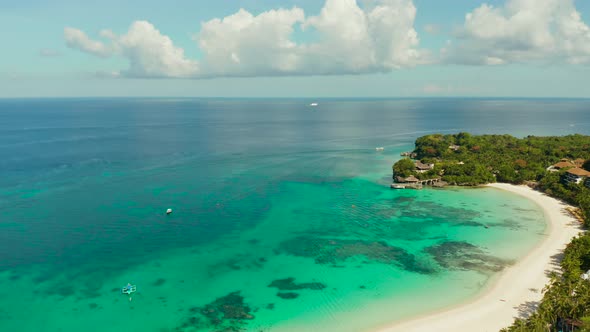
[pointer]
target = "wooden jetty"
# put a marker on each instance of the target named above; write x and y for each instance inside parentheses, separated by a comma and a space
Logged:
(412, 182)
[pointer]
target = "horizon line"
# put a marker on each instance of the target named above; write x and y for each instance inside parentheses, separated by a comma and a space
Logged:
(295, 98)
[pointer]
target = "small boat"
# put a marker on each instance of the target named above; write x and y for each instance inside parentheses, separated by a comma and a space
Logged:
(379, 148)
(313, 104)
(397, 186)
(129, 289)
(169, 211)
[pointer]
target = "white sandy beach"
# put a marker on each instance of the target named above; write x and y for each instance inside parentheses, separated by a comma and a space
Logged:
(521, 283)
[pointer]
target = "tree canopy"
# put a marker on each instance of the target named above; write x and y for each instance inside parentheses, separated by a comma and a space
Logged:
(404, 167)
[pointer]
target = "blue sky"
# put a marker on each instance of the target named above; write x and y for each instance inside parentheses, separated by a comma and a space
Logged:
(319, 48)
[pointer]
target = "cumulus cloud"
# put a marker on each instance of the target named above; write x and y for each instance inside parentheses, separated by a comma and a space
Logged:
(521, 31)
(152, 54)
(349, 39)
(244, 44)
(149, 52)
(378, 37)
(77, 39)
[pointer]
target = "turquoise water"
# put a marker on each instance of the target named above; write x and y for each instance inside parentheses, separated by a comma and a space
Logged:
(282, 219)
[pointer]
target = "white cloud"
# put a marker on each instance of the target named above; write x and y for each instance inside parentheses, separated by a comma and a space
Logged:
(376, 37)
(344, 39)
(522, 31)
(152, 54)
(77, 39)
(244, 44)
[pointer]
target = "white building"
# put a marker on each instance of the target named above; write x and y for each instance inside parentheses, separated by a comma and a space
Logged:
(575, 175)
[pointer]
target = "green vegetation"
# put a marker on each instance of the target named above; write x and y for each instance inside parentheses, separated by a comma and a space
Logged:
(404, 167)
(467, 160)
(566, 297)
(464, 159)
(502, 158)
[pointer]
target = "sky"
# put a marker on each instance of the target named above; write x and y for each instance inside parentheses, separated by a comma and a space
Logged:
(295, 48)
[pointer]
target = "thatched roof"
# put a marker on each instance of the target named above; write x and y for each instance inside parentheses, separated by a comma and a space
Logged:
(411, 178)
(579, 172)
(564, 164)
(423, 167)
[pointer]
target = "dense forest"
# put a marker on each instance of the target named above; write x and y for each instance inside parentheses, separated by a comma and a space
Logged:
(469, 160)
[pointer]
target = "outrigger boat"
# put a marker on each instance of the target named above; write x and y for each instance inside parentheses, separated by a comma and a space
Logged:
(129, 289)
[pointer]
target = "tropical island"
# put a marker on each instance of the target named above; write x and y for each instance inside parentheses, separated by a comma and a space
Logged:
(558, 167)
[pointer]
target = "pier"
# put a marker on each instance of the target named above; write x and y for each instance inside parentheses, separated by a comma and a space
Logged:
(412, 182)
(430, 182)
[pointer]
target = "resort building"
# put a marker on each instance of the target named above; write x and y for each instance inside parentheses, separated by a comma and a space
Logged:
(576, 175)
(579, 162)
(409, 154)
(409, 179)
(455, 147)
(563, 164)
(423, 168)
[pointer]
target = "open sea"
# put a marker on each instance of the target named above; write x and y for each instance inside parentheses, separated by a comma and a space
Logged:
(282, 220)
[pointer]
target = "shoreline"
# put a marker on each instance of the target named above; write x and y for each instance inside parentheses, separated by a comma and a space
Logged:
(518, 285)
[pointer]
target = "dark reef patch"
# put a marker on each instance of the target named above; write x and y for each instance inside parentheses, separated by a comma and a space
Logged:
(290, 285)
(403, 200)
(287, 295)
(159, 282)
(432, 211)
(227, 313)
(508, 223)
(456, 255)
(335, 251)
(236, 263)
(62, 290)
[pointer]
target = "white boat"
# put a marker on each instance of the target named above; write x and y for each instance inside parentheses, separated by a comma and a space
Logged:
(169, 211)
(129, 289)
(313, 104)
(397, 186)
(379, 149)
